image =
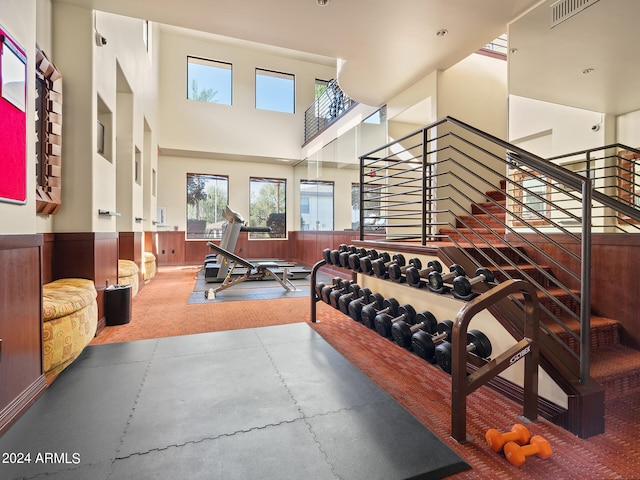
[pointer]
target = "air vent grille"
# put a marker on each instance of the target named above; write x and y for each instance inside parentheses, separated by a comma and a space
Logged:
(565, 9)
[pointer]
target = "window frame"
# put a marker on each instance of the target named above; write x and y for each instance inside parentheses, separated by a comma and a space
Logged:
(276, 74)
(333, 199)
(216, 234)
(211, 63)
(252, 220)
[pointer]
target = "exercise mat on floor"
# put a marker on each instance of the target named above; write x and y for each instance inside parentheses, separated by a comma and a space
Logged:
(247, 290)
(273, 402)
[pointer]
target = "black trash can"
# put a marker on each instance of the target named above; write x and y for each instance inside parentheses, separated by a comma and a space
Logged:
(117, 304)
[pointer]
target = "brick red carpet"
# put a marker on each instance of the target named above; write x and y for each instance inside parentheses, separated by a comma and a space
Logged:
(160, 309)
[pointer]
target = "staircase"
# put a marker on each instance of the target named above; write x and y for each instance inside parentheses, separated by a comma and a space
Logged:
(615, 367)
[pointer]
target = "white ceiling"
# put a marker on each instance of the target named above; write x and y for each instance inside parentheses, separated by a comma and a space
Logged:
(549, 62)
(381, 47)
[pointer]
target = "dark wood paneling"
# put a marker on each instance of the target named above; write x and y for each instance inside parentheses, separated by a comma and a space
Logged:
(21, 369)
(171, 248)
(615, 292)
(308, 246)
(130, 246)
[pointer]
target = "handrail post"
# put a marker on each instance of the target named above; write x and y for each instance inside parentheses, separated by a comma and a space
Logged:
(312, 287)
(585, 287)
(425, 189)
(528, 348)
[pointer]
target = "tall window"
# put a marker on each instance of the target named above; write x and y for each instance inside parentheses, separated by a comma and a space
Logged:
(372, 220)
(267, 207)
(275, 91)
(208, 80)
(207, 198)
(316, 205)
(321, 86)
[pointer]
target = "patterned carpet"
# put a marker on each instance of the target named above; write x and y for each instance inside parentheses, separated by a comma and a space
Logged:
(160, 309)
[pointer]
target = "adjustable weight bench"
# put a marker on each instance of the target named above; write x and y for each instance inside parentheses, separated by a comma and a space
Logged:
(253, 271)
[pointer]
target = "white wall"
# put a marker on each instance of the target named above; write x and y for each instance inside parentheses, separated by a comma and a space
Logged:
(628, 129)
(240, 128)
(568, 129)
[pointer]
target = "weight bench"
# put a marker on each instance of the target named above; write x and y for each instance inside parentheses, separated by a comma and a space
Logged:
(257, 271)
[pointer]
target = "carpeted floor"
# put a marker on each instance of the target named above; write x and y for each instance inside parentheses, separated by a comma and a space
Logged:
(160, 310)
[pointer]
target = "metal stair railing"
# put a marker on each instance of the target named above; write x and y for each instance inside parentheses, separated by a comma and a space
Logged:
(330, 105)
(431, 186)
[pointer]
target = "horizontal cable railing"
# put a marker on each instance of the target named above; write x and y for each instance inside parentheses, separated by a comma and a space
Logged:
(505, 208)
(327, 108)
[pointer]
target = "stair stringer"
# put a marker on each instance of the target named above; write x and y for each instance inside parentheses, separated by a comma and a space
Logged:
(584, 416)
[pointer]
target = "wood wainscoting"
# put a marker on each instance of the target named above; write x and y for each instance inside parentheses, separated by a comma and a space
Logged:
(21, 368)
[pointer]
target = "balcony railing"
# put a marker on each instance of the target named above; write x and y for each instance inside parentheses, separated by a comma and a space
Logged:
(328, 107)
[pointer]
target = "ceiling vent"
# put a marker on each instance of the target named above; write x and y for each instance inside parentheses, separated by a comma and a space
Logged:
(565, 9)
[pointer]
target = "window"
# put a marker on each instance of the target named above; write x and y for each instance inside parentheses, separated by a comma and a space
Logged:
(208, 80)
(372, 220)
(321, 86)
(267, 207)
(275, 91)
(316, 205)
(207, 198)
(532, 195)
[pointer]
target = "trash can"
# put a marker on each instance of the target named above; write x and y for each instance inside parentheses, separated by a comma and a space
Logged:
(117, 304)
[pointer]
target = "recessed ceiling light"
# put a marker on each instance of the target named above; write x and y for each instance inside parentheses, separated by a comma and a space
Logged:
(322, 3)
(513, 50)
(587, 71)
(442, 32)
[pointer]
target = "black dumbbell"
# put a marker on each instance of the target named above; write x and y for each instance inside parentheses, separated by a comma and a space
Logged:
(344, 300)
(424, 343)
(369, 313)
(322, 290)
(414, 276)
(335, 295)
(384, 321)
(436, 281)
(342, 285)
(343, 257)
(334, 256)
(463, 286)
(402, 332)
(355, 259)
(477, 343)
(380, 265)
(366, 263)
(396, 271)
(375, 300)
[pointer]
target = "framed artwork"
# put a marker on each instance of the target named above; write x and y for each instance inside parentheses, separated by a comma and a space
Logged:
(13, 118)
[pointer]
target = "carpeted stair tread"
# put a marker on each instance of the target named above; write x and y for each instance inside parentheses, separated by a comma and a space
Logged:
(617, 369)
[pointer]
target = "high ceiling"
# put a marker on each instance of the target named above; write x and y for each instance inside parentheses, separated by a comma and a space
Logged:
(599, 41)
(381, 47)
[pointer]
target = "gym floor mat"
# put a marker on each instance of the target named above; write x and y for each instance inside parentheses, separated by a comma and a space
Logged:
(270, 403)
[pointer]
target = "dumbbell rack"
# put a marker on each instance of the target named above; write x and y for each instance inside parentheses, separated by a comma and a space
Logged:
(463, 384)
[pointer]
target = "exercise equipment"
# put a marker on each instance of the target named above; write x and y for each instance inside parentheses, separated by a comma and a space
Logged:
(517, 454)
(384, 321)
(251, 272)
(355, 259)
(366, 263)
(402, 332)
(381, 265)
(414, 275)
(375, 300)
(219, 266)
(369, 312)
(496, 439)
(326, 290)
(396, 271)
(424, 344)
(463, 286)
(343, 258)
(345, 300)
(477, 343)
(436, 281)
(320, 285)
(335, 295)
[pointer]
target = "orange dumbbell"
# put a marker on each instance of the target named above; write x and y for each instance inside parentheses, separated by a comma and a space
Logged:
(496, 440)
(517, 454)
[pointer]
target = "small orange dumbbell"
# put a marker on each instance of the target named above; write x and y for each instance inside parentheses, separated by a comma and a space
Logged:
(517, 454)
(496, 440)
